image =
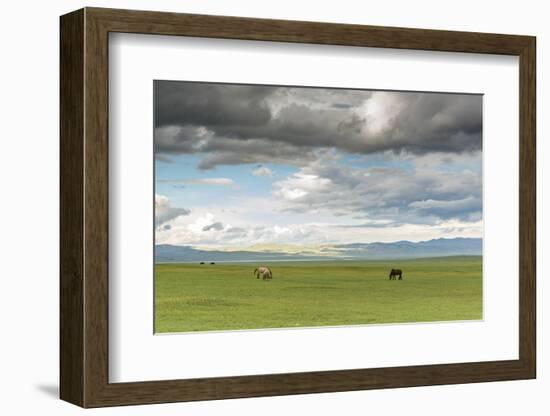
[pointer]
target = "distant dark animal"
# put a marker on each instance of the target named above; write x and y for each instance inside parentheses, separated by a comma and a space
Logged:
(212, 262)
(264, 272)
(202, 262)
(396, 273)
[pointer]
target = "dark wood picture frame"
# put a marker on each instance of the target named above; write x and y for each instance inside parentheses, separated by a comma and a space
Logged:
(84, 207)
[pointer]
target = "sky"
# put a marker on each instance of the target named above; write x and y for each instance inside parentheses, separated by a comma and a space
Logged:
(263, 167)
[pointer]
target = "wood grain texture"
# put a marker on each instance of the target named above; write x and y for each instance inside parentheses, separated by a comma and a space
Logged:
(84, 207)
(527, 207)
(71, 185)
(227, 27)
(96, 208)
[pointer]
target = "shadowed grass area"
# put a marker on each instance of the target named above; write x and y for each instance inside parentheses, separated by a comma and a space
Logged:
(224, 296)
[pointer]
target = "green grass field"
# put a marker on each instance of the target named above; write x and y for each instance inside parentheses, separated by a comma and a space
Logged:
(225, 296)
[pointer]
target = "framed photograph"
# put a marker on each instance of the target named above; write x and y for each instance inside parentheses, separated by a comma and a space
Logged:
(255, 207)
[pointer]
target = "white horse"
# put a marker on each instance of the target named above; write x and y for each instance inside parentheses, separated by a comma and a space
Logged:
(264, 272)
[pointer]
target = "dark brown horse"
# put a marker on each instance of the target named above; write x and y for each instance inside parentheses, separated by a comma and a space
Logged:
(396, 272)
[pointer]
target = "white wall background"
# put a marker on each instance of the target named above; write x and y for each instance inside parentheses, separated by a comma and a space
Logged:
(29, 83)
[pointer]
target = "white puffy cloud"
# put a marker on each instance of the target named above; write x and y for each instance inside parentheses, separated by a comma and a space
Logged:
(219, 228)
(300, 185)
(262, 171)
(165, 212)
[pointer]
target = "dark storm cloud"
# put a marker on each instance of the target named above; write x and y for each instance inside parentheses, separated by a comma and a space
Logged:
(234, 124)
(235, 152)
(204, 104)
(436, 122)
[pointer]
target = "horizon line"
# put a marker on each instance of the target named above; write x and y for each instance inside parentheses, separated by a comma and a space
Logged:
(333, 244)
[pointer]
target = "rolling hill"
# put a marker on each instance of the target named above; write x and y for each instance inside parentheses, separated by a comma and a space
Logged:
(441, 247)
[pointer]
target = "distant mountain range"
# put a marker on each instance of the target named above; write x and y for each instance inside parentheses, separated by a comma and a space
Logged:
(165, 253)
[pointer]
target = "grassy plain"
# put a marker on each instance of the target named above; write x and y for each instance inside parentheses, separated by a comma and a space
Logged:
(226, 296)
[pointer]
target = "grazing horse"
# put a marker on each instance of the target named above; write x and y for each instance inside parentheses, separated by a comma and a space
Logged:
(264, 272)
(396, 272)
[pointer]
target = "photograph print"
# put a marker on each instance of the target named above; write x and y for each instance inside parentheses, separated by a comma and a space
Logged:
(297, 207)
